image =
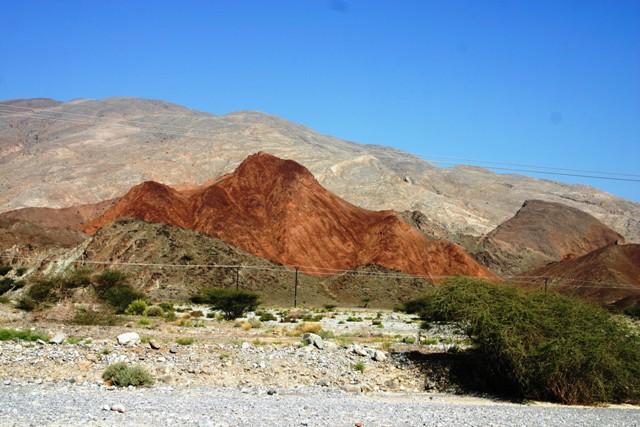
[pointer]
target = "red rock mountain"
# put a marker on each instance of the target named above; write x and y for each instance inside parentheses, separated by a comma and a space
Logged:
(543, 232)
(275, 208)
(607, 274)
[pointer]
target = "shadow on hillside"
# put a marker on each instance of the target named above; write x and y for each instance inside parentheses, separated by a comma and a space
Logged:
(461, 373)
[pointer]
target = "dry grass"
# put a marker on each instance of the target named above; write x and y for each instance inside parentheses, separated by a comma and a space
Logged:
(309, 327)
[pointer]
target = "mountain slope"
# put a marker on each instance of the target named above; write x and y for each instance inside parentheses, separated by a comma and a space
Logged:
(85, 151)
(607, 274)
(542, 232)
(275, 209)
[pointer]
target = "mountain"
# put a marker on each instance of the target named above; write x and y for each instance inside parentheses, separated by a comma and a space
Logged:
(275, 209)
(608, 274)
(542, 232)
(85, 151)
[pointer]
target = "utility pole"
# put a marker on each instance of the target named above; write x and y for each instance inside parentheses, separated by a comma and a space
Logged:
(237, 278)
(295, 289)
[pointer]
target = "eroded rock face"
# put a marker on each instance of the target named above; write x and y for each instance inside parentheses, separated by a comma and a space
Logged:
(275, 209)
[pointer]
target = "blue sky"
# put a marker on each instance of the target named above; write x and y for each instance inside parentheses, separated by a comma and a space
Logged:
(553, 83)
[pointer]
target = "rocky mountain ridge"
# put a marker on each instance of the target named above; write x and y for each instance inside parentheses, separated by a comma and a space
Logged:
(83, 151)
(275, 209)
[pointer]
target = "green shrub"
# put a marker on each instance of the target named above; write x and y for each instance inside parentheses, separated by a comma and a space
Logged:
(85, 316)
(539, 346)
(6, 284)
(15, 334)
(4, 270)
(233, 303)
(196, 314)
(110, 278)
(123, 375)
(267, 316)
(111, 287)
(20, 271)
(44, 290)
(633, 311)
(137, 307)
(329, 307)
(416, 305)
(167, 307)
(76, 279)
(360, 367)
(184, 341)
(154, 311)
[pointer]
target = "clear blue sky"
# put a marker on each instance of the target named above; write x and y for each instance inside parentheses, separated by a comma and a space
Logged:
(544, 82)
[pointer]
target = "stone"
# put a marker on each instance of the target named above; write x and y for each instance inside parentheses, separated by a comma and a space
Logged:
(39, 341)
(379, 356)
(154, 345)
(246, 345)
(128, 338)
(118, 408)
(313, 339)
(173, 350)
(58, 338)
(271, 392)
(359, 350)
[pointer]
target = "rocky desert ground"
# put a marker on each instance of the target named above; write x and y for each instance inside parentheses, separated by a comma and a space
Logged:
(337, 367)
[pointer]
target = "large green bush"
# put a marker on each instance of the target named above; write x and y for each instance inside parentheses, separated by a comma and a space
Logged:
(233, 303)
(540, 346)
(5, 269)
(123, 375)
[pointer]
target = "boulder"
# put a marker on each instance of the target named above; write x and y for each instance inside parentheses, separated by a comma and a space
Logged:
(128, 338)
(379, 356)
(313, 339)
(58, 338)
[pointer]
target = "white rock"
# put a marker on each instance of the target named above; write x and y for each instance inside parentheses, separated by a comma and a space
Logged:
(246, 345)
(128, 338)
(379, 356)
(313, 339)
(118, 408)
(58, 338)
(355, 348)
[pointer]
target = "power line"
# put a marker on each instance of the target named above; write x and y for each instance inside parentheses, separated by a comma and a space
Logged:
(76, 118)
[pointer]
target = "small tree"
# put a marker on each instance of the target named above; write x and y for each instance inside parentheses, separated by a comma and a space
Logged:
(233, 303)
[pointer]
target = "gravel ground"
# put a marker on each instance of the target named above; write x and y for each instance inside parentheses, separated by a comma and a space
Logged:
(62, 405)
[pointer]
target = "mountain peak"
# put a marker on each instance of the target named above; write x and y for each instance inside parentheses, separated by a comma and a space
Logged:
(274, 208)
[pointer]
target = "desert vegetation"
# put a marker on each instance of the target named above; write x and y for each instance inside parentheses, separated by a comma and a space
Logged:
(533, 345)
(233, 303)
(124, 375)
